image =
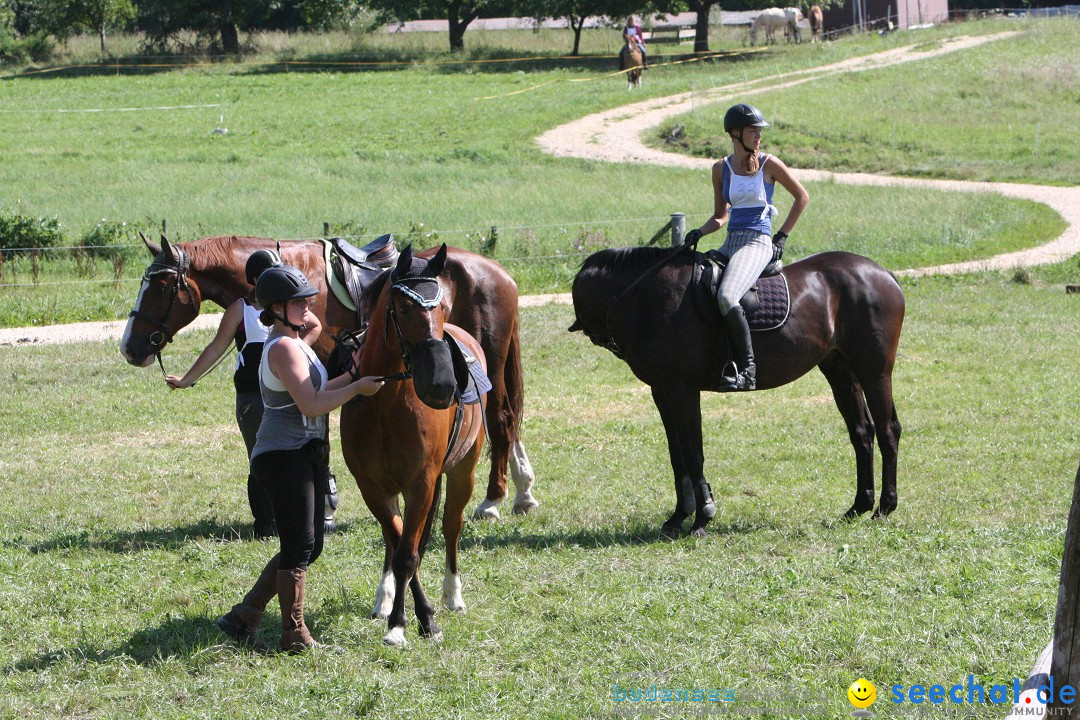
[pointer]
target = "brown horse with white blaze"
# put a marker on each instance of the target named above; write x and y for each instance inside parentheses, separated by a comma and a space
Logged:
(484, 303)
(399, 441)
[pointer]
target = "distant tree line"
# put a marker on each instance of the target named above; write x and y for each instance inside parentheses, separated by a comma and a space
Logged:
(218, 24)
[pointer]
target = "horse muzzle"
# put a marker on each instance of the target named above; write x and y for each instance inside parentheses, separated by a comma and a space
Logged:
(433, 373)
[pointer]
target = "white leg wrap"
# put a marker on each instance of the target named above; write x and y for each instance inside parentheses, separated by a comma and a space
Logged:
(522, 473)
(451, 592)
(384, 597)
(486, 511)
(395, 637)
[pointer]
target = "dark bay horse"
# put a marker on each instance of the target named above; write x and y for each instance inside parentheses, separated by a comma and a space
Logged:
(401, 440)
(484, 303)
(845, 318)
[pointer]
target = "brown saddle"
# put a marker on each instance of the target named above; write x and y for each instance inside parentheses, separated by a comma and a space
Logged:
(354, 269)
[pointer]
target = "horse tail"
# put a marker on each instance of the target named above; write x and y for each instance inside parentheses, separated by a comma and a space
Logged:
(430, 521)
(513, 379)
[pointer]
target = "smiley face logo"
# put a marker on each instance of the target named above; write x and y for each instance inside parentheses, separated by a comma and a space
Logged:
(862, 693)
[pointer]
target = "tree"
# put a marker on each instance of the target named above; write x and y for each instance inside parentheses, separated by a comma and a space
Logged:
(459, 13)
(701, 31)
(103, 14)
(219, 20)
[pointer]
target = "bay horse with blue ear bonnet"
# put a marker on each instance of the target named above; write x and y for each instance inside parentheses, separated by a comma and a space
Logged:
(844, 317)
(400, 441)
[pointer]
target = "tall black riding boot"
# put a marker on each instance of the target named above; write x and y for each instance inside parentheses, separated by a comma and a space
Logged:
(742, 373)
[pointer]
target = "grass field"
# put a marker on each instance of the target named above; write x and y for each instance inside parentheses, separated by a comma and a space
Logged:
(125, 534)
(418, 152)
(125, 530)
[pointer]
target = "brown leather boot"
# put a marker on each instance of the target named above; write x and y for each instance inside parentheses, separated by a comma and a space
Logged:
(295, 637)
(242, 622)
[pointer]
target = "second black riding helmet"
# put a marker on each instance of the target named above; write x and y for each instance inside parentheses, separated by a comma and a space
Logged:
(743, 115)
(281, 284)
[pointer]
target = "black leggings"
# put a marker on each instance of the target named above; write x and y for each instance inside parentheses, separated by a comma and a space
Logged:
(294, 479)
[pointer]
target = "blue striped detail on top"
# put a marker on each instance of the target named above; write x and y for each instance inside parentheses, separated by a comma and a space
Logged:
(750, 198)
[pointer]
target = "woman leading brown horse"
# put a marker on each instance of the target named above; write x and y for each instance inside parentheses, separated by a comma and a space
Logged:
(484, 302)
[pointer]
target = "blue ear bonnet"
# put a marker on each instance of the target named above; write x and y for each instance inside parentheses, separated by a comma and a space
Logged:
(419, 287)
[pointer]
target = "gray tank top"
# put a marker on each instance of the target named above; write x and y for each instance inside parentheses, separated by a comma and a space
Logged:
(283, 426)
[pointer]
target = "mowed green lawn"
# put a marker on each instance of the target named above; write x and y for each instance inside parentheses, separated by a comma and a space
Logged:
(126, 529)
(125, 534)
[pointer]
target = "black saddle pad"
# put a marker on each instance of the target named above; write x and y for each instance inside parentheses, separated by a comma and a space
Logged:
(766, 304)
(473, 382)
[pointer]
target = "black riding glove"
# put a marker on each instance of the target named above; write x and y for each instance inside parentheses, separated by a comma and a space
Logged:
(692, 237)
(778, 241)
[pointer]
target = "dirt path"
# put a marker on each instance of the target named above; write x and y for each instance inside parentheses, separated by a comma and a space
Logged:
(615, 136)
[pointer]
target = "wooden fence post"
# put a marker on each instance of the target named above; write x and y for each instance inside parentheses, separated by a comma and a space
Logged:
(1065, 662)
(678, 228)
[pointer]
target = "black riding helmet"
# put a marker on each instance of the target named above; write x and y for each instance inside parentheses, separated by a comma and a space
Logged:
(281, 284)
(742, 115)
(259, 261)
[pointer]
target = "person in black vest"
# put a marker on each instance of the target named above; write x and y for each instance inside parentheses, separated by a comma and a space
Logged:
(241, 325)
(291, 456)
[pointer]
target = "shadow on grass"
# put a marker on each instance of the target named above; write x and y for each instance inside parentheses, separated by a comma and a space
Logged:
(173, 638)
(637, 532)
(128, 541)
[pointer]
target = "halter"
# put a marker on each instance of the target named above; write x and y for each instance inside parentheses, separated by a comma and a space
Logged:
(163, 336)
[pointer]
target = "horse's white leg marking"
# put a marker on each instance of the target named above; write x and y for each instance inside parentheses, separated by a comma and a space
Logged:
(384, 597)
(395, 637)
(522, 473)
(451, 592)
(487, 510)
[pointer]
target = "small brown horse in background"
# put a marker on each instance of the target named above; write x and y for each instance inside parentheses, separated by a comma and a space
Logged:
(630, 59)
(401, 440)
(816, 23)
(484, 303)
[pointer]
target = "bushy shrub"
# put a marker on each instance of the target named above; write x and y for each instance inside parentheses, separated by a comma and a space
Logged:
(110, 239)
(14, 50)
(19, 233)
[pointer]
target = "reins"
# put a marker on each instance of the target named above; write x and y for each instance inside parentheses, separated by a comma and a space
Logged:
(663, 260)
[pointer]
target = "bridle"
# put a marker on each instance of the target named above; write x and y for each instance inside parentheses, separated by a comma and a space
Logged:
(410, 287)
(162, 336)
(610, 344)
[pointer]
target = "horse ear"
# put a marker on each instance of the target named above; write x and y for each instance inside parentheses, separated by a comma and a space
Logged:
(154, 249)
(404, 262)
(166, 246)
(436, 264)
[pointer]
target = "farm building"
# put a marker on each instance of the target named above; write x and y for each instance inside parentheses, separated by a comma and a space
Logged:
(878, 13)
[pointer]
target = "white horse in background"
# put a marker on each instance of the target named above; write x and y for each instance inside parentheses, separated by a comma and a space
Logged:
(794, 20)
(770, 20)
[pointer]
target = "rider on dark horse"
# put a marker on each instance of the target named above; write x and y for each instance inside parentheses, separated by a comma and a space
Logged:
(743, 182)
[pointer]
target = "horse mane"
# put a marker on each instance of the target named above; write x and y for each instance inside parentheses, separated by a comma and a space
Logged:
(620, 259)
(217, 251)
